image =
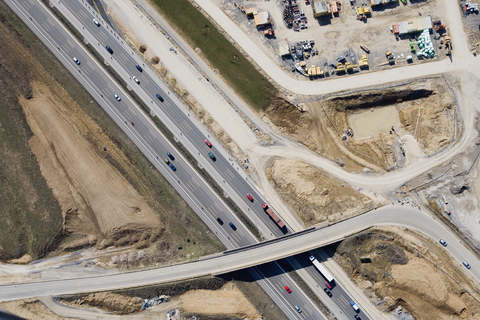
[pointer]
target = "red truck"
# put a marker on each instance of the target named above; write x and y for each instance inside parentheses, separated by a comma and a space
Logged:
(273, 216)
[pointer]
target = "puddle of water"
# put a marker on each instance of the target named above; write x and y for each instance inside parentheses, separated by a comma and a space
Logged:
(368, 123)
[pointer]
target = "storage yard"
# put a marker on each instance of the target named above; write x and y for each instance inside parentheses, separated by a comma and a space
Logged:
(320, 39)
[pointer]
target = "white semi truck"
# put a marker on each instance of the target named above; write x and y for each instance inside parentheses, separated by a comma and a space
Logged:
(327, 275)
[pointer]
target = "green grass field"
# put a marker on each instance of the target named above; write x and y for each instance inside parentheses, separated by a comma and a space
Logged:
(240, 74)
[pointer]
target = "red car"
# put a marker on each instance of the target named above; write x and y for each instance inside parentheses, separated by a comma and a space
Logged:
(208, 143)
(288, 289)
(265, 206)
(249, 197)
(328, 285)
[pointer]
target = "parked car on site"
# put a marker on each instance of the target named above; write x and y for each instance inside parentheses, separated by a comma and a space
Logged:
(288, 289)
(249, 197)
(208, 143)
(76, 60)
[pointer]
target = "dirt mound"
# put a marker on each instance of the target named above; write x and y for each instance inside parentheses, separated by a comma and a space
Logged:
(95, 197)
(396, 269)
(313, 195)
(112, 302)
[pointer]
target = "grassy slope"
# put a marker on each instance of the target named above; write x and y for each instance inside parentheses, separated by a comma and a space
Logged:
(30, 215)
(240, 74)
(180, 221)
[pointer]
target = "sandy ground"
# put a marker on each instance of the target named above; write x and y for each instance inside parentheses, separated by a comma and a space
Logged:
(30, 309)
(313, 195)
(411, 271)
(94, 196)
(228, 300)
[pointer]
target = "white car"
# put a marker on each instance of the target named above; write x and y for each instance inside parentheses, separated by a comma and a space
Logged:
(117, 97)
(96, 22)
(136, 80)
(76, 60)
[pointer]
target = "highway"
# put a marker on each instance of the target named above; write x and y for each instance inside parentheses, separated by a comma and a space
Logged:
(174, 110)
(400, 216)
(143, 132)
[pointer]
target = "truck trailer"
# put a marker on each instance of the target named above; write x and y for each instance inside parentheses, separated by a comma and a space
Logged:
(327, 275)
(273, 216)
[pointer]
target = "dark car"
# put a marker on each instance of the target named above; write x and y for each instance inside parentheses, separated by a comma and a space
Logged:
(211, 155)
(138, 67)
(232, 226)
(159, 97)
(170, 156)
(172, 166)
(109, 49)
(220, 222)
(328, 292)
(357, 317)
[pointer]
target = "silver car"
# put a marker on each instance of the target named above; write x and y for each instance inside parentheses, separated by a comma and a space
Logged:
(76, 60)
(96, 22)
(117, 97)
(136, 80)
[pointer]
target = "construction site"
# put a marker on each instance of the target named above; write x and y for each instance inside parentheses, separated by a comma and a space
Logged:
(309, 38)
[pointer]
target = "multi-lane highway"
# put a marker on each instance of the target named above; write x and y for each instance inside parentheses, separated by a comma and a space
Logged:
(189, 128)
(143, 132)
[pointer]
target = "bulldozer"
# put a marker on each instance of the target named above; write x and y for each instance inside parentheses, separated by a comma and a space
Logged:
(440, 28)
(448, 45)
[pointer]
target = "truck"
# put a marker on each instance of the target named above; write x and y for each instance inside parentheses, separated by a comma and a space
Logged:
(272, 215)
(327, 275)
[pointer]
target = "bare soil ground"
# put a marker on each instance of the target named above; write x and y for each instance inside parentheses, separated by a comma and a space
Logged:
(313, 195)
(226, 300)
(112, 197)
(96, 199)
(398, 267)
(427, 116)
